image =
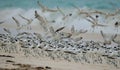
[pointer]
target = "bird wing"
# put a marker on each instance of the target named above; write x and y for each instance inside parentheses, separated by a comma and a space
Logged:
(38, 35)
(59, 29)
(72, 29)
(24, 17)
(40, 18)
(65, 35)
(16, 21)
(113, 37)
(116, 41)
(103, 35)
(101, 25)
(99, 12)
(40, 4)
(52, 31)
(44, 8)
(73, 5)
(90, 21)
(60, 11)
(78, 39)
(28, 20)
(51, 10)
(83, 31)
(88, 15)
(7, 30)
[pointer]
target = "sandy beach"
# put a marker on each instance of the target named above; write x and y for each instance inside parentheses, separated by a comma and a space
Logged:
(59, 39)
(8, 63)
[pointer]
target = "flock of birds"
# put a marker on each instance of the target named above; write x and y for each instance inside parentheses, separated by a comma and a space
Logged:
(57, 44)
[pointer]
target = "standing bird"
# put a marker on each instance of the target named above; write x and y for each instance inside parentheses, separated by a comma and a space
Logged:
(44, 8)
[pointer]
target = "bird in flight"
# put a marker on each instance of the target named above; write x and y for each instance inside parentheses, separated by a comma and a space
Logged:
(44, 8)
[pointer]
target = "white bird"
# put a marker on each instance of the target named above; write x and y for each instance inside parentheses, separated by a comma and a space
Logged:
(60, 11)
(7, 30)
(116, 41)
(52, 31)
(44, 8)
(38, 35)
(113, 14)
(94, 22)
(106, 39)
(63, 14)
(75, 32)
(17, 22)
(40, 18)
(29, 21)
(43, 21)
(26, 33)
(56, 34)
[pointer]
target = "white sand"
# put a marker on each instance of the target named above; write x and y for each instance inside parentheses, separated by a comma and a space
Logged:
(55, 64)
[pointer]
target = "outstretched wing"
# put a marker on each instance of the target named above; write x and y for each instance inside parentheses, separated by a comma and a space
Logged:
(38, 35)
(91, 17)
(73, 5)
(115, 41)
(40, 18)
(60, 11)
(28, 20)
(44, 8)
(103, 35)
(51, 10)
(40, 4)
(99, 12)
(7, 30)
(59, 29)
(16, 21)
(23, 17)
(90, 21)
(83, 31)
(114, 36)
(101, 25)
